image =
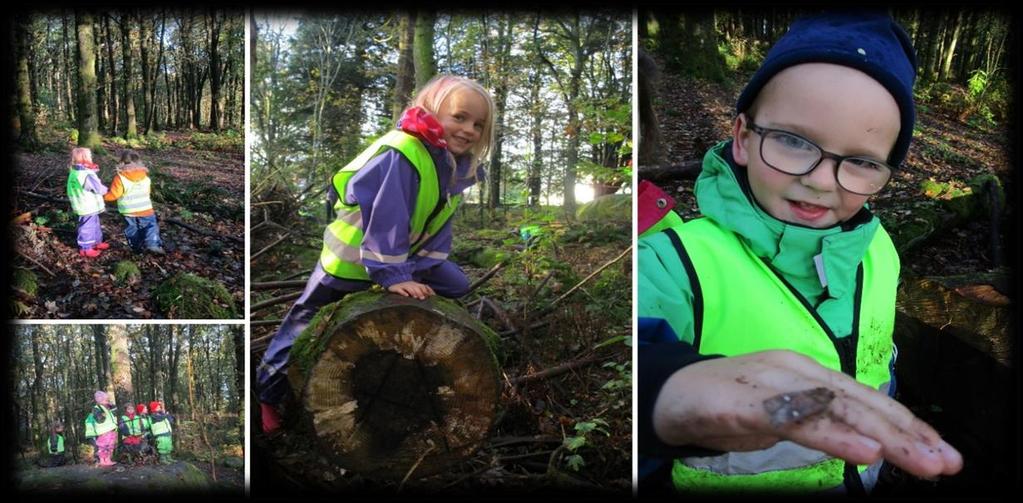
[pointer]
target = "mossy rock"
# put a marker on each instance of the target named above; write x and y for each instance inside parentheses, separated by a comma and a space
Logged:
(26, 281)
(612, 207)
(234, 462)
(126, 271)
(489, 257)
(187, 296)
(991, 187)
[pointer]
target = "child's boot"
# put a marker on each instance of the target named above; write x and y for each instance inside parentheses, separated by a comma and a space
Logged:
(91, 253)
(102, 246)
(271, 419)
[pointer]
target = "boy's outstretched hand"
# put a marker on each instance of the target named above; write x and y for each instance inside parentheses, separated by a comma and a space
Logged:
(746, 403)
(412, 289)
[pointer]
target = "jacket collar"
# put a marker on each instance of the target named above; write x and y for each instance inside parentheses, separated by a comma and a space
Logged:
(723, 194)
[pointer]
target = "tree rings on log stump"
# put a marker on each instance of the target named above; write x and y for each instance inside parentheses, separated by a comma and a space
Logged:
(390, 383)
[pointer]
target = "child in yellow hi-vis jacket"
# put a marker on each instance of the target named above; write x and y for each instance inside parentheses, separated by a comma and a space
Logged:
(131, 188)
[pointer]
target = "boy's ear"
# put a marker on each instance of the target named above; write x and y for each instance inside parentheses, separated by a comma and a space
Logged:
(739, 137)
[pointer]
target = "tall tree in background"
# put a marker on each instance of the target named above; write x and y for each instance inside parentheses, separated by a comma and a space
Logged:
(575, 40)
(128, 91)
(424, 62)
(405, 80)
(111, 105)
(500, 73)
(28, 135)
(88, 127)
(120, 366)
(216, 24)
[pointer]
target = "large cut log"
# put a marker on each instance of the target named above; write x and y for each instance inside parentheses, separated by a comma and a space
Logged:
(390, 384)
(954, 369)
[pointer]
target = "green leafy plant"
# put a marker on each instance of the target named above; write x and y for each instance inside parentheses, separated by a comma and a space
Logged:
(584, 430)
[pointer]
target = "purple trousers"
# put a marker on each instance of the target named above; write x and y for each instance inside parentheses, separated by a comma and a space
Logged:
(89, 231)
(446, 279)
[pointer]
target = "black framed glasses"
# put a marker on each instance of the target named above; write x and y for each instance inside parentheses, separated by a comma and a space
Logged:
(792, 154)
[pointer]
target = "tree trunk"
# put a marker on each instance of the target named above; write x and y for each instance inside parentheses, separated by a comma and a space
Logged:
(120, 366)
(101, 85)
(425, 66)
(238, 338)
(172, 367)
(112, 109)
(215, 70)
(68, 82)
(28, 136)
(405, 78)
(536, 129)
(388, 383)
(946, 66)
(127, 35)
(501, 57)
(144, 65)
(36, 426)
(88, 128)
(151, 122)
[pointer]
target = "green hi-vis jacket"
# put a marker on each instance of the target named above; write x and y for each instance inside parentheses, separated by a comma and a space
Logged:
(94, 428)
(341, 255)
(83, 202)
(133, 425)
(740, 281)
(162, 427)
(55, 444)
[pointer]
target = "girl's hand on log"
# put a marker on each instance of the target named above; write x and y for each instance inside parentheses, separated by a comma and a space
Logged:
(751, 402)
(412, 289)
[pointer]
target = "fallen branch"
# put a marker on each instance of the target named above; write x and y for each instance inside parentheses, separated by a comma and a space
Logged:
(204, 232)
(263, 323)
(274, 285)
(553, 371)
(34, 261)
(264, 203)
(274, 301)
(46, 197)
(583, 282)
(501, 314)
(688, 170)
(271, 245)
(534, 326)
(503, 441)
(487, 276)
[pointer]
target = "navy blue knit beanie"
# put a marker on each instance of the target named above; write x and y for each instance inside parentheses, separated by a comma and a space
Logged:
(872, 43)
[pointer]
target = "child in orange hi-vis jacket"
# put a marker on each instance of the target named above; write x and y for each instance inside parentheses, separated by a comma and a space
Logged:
(130, 188)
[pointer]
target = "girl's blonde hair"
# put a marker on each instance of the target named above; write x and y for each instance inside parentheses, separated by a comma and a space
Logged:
(432, 95)
(81, 155)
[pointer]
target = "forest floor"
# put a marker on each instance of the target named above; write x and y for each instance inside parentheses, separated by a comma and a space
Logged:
(695, 114)
(177, 476)
(199, 184)
(571, 431)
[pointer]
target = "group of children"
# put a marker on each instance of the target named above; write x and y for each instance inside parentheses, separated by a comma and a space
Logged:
(140, 428)
(130, 187)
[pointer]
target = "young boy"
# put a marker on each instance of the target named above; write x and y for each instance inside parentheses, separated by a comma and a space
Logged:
(765, 327)
(160, 422)
(130, 188)
(55, 447)
(130, 426)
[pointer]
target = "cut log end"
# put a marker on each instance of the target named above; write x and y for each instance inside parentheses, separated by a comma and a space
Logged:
(388, 382)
